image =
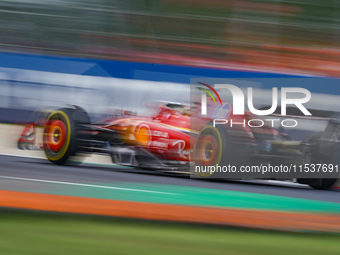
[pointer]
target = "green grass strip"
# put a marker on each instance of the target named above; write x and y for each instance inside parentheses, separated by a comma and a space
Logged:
(36, 233)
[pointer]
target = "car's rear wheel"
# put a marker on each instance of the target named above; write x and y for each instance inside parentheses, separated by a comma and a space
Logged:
(59, 137)
(211, 150)
(318, 157)
(323, 184)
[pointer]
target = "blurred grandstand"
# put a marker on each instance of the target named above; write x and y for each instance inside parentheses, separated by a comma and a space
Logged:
(287, 36)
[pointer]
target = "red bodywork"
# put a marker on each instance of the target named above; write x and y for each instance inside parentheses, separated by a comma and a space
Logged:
(169, 133)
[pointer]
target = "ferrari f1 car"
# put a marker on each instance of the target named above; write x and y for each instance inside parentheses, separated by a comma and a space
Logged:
(167, 140)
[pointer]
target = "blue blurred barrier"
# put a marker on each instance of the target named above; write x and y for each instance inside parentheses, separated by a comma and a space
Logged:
(119, 69)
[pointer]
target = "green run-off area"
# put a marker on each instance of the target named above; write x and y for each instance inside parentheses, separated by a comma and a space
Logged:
(37, 233)
(192, 196)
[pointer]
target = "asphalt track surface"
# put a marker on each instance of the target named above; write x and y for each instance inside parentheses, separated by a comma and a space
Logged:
(22, 173)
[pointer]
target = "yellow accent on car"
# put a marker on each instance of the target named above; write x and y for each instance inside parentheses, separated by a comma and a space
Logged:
(143, 136)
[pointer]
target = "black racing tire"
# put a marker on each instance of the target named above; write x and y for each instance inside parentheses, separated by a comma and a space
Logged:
(59, 136)
(319, 158)
(323, 184)
(212, 148)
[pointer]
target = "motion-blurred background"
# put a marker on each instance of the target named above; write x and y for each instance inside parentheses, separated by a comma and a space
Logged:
(117, 54)
(106, 55)
(292, 36)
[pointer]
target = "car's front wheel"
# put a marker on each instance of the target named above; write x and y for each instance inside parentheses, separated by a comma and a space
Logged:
(59, 137)
(212, 149)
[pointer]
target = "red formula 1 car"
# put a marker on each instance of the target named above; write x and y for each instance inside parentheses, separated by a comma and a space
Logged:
(172, 140)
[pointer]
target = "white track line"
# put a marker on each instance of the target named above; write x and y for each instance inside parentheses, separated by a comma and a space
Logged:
(83, 185)
(20, 155)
